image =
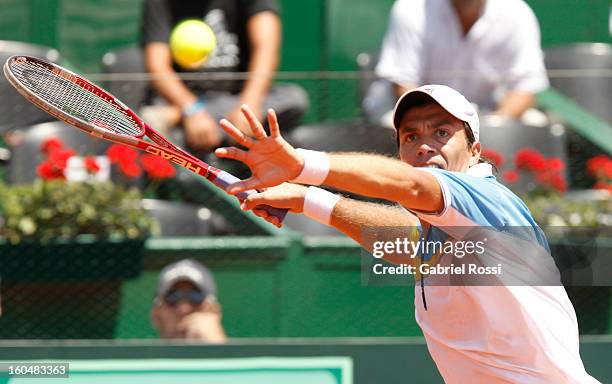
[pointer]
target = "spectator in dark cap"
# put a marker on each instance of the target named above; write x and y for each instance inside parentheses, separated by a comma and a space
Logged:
(185, 304)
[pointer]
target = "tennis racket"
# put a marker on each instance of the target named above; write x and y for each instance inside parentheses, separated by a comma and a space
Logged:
(84, 105)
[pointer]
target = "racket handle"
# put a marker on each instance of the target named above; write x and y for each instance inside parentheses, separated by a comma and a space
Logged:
(224, 180)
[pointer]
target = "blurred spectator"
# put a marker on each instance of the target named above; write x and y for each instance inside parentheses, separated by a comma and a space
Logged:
(489, 50)
(185, 304)
(248, 34)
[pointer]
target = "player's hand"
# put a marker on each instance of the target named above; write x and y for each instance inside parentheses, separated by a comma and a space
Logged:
(237, 117)
(201, 131)
(288, 196)
(271, 159)
(203, 326)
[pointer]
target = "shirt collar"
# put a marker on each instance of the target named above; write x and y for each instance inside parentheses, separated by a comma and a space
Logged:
(480, 27)
(480, 170)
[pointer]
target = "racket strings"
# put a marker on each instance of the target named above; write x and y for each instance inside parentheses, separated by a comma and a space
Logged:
(74, 100)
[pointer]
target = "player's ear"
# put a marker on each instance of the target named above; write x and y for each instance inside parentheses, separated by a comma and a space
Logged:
(475, 150)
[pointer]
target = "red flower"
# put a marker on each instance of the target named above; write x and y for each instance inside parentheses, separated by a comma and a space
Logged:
(91, 164)
(118, 153)
(600, 166)
(555, 164)
(530, 159)
(51, 145)
(558, 182)
(523, 156)
(537, 165)
(543, 177)
(156, 167)
(126, 158)
(511, 176)
(494, 156)
(603, 186)
(130, 169)
(552, 179)
(607, 169)
(59, 158)
(47, 171)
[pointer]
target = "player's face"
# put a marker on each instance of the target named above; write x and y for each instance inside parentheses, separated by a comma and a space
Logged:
(167, 316)
(429, 136)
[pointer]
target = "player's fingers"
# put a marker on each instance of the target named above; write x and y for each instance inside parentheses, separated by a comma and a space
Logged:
(273, 123)
(270, 219)
(244, 185)
(236, 133)
(256, 200)
(258, 129)
(231, 153)
(251, 202)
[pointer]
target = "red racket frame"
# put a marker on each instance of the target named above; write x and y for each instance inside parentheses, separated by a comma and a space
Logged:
(160, 145)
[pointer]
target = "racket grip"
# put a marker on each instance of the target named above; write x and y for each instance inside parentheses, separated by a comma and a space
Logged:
(224, 180)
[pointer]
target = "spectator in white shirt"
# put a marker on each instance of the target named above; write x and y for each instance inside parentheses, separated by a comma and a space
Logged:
(489, 50)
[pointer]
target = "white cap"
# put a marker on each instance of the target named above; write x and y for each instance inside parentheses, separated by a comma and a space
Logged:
(452, 101)
(186, 270)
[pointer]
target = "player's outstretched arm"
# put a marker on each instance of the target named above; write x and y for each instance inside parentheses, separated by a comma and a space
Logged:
(382, 177)
(273, 161)
(351, 217)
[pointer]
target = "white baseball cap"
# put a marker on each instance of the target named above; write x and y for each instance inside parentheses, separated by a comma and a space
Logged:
(186, 270)
(452, 101)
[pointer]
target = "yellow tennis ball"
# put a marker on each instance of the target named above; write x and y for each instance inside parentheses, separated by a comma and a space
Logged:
(191, 41)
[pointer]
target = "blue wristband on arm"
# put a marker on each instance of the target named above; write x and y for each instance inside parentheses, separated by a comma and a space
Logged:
(193, 108)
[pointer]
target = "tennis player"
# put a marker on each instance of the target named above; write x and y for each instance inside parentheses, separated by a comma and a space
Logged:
(516, 333)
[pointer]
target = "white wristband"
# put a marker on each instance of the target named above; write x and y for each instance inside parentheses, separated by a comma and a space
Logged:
(316, 167)
(319, 204)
